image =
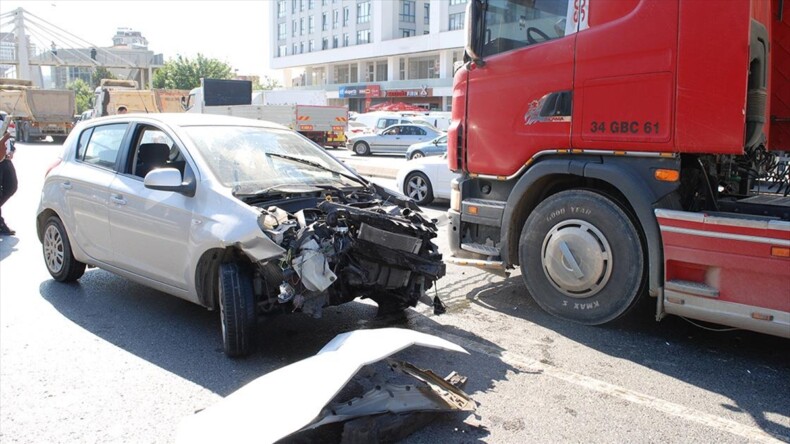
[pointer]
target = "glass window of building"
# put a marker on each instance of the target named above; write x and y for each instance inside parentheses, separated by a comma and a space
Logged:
(408, 32)
(310, 4)
(402, 69)
(301, 47)
(310, 25)
(345, 39)
(457, 2)
(325, 43)
(424, 67)
(301, 5)
(293, 49)
(363, 12)
(335, 17)
(457, 21)
(346, 14)
(311, 46)
(281, 8)
(301, 26)
(353, 70)
(342, 74)
(381, 71)
(293, 28)
(427, 14)
(407, 11)
(282, 50)
(334, 41)
(293, 6)
(281, 31)
(324, 22)
(363, 36)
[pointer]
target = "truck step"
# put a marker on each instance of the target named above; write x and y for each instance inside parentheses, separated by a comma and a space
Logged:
(481, 249)
(692, 288)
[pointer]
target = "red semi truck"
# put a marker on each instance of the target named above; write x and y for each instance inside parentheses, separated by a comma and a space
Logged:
(619, 149)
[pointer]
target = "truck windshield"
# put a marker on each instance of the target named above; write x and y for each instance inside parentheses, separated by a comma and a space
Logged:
(248, 159)
(513, 24)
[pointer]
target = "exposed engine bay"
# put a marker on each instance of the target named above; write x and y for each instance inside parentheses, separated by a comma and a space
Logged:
(344, 244)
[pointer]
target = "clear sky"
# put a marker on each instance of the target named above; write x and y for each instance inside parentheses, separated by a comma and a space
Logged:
(235, 32)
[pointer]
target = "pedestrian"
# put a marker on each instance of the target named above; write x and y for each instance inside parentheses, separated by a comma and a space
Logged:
(121, 110)
(8, 181)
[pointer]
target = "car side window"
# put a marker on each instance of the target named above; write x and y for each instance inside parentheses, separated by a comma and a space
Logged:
(419, 131)
(104, 145)
(153, 149)
(82, 143)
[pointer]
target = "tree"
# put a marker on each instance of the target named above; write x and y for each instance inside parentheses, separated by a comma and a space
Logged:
(99, 74)
(185, 73)
(83, 92)
(266, 83)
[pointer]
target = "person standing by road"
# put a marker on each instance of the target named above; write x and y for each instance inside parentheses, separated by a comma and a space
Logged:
(8, 181)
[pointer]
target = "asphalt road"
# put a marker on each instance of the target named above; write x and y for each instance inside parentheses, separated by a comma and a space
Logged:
(106, 360)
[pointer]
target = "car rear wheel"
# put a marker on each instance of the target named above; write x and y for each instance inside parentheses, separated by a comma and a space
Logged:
(361, 149)
(418, 187)
(417, 155)
(60, 261)
(237, 309)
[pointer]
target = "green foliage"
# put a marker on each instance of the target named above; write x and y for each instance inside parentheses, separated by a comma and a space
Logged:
(185, 73)
(266, 83)
(83, 93)
(99, 74)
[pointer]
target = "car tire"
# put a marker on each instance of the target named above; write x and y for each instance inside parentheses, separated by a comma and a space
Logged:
(58, 256)
(237, 309)
(417, 155)
(361, 149)
(418, 187)
(582, 258)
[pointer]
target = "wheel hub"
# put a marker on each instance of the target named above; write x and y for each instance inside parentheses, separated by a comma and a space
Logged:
(576, 258)
(53, 249)
(417, 188)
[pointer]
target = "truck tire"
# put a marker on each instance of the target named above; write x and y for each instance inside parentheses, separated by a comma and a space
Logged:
(58, 257)
(58, 139)
(361, 149)
(582, 258)
(237, 309)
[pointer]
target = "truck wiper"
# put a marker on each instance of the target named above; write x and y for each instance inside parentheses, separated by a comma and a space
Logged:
(321, 167)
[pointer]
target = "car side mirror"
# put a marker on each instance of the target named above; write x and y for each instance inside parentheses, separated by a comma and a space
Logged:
(169, 179)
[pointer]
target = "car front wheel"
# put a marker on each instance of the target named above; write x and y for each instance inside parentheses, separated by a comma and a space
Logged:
(361, 149)
(418, 187)
(58, 256)
(237, 309)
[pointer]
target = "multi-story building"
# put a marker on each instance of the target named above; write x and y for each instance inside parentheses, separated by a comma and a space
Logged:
(364, 52)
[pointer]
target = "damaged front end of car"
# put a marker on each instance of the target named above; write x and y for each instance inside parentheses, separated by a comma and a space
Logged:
(341, 245)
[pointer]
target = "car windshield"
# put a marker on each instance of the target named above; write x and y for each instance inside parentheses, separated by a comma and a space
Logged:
(251, 159)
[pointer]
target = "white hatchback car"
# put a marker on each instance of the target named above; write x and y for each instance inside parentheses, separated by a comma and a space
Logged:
(245, 216)
(425, 179)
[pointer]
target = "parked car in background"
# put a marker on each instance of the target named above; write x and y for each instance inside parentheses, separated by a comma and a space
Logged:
(378, 120)
(395, 139)
(425, 179)
(355, 128)
(241, 216)
(435, 147)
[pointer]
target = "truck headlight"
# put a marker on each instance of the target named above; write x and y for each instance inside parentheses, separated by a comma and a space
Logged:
(455, 195)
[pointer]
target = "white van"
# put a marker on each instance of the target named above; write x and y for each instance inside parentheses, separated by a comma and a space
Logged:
(380, 120)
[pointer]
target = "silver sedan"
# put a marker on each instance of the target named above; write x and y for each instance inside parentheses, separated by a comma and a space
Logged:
(393, 139)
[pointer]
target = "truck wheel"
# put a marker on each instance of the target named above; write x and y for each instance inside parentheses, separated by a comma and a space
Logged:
(57, 253)
(361, 149)
(418, 187)
(582, 258)
(237, 309)
(58, 139)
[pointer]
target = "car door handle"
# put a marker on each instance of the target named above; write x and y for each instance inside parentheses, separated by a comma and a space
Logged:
(118, 199)
(66, 185)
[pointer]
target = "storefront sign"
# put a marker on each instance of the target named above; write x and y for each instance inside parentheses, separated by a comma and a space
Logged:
(419, 92)
(361, 91)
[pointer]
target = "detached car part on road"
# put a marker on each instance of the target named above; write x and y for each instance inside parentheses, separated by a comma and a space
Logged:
(307, 394)
(233, 214)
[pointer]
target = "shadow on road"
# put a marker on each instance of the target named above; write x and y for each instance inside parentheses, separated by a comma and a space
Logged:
(751, 369)
(7, 246)
(184, 338)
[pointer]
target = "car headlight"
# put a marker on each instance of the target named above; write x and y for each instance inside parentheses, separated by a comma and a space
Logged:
(455, 195)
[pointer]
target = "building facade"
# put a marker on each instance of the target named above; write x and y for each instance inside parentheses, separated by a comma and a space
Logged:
(365, 52)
